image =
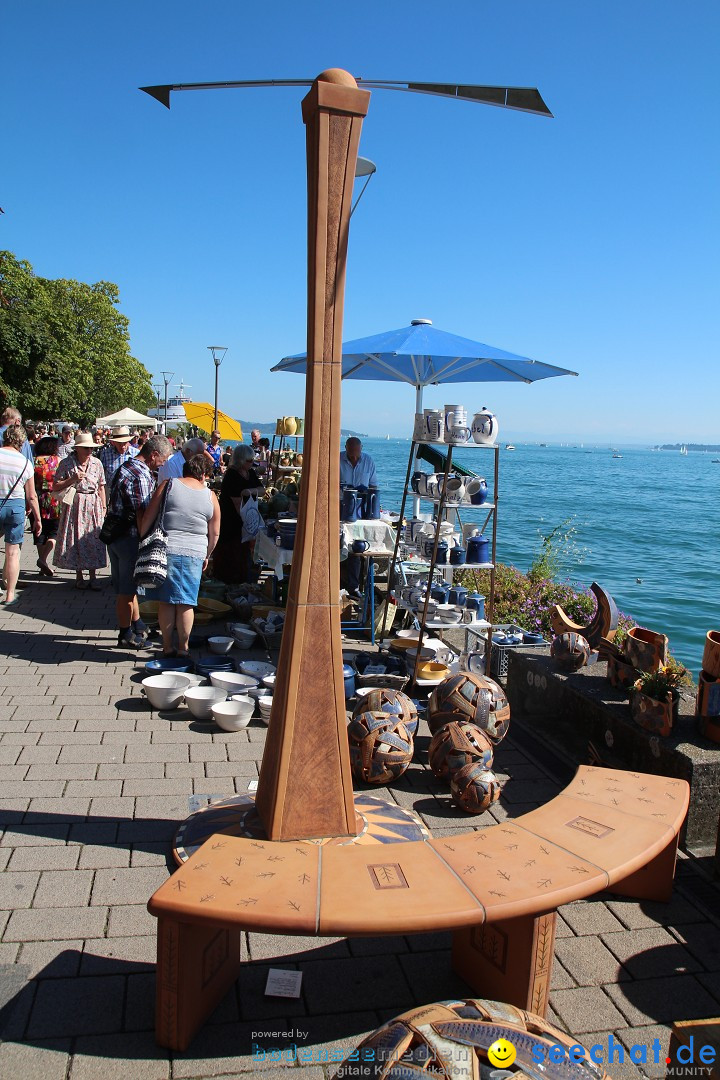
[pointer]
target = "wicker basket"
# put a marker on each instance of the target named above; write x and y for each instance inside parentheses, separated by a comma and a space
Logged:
(382, 682)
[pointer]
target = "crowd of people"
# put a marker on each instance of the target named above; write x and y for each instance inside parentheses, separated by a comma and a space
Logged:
(73, 483)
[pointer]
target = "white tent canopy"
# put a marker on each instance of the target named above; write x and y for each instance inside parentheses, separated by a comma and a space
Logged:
(126, 416)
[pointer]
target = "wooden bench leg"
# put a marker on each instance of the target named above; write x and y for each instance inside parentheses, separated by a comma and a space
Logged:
(652, 882)
(196, 966)
(509, 960)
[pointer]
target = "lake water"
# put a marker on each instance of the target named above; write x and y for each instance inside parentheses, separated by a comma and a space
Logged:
(648, 515)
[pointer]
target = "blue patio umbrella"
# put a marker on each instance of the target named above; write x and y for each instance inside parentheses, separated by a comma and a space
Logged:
(422, 355)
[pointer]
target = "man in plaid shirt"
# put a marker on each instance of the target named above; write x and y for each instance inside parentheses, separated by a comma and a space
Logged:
(116, 451)
(130, 492)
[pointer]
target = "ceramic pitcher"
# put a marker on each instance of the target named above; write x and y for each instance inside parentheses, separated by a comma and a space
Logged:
(455, 416)
(289, 425)
(299, 425)
(484, 427)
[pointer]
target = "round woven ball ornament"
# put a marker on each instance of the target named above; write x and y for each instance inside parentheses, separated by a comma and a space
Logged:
(570, 651)
(474, 788)
(450, 1039)
(475, 698)
(393, 702)
(456, 744)
(380, 747)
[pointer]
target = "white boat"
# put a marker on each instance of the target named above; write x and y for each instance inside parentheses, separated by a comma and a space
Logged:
(683, 449)
(175, 406)
(509, 446)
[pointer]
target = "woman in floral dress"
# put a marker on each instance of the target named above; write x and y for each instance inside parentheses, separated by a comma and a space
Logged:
(79, 547)
(46, 462)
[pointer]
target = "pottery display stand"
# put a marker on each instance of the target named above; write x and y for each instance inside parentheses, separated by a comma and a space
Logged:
(497, 889)
(442, 508)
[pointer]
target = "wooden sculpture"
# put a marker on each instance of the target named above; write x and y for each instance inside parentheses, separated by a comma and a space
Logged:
(603, 624)
(305, 788)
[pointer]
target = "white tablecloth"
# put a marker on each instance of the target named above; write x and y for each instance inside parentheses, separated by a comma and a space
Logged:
(378, 534)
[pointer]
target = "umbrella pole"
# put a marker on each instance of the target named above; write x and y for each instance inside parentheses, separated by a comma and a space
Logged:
(305, 788)
(418, 409)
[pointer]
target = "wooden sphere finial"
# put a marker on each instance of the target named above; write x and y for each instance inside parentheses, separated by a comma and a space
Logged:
(337, 75)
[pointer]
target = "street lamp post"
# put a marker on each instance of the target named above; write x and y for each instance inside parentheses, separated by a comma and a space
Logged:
(218, 354)
(167, 376)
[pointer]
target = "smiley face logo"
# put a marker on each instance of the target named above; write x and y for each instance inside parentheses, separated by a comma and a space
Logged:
(501, 1054)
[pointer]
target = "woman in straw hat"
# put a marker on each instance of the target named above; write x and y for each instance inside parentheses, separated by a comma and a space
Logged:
(81, 479)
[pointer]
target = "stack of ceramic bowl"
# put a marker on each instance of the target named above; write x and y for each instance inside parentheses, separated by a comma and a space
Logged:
(265, 703)
(449, 613)
(232, 683)
(243, 634)
(286, 528)
(209, 663)
(166, 664)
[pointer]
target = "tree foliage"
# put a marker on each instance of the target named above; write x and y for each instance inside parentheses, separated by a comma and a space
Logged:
(65, 347)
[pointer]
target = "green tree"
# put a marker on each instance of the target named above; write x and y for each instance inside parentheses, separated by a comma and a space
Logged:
(65, 347)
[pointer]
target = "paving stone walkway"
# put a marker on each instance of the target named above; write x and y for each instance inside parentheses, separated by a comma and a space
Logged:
(93, 787)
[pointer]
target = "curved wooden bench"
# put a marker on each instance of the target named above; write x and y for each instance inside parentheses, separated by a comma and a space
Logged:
(497, 888)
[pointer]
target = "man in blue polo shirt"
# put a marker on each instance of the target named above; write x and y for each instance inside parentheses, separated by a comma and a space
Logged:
(357, 470)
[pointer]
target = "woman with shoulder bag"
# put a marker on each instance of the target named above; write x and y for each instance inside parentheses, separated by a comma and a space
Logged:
(191, 520)
(81, 479)
(17, 489)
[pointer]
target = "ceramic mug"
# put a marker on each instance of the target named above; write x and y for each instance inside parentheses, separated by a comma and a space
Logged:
(454, 491)
(434, 424)
(419, 427)
(458, 435)
(359, 546)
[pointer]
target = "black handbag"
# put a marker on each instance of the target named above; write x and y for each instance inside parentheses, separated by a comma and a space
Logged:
(151, 562)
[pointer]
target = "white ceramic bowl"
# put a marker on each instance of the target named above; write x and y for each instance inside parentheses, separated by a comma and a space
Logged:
(232, 683)
(235, 714)
(220, 645)
(200, 700)
(258, 669)
(243, 634)
(269, 682)
(165, 691)
(193, 680)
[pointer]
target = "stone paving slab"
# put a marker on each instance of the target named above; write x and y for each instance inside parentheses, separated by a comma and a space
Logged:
(94, 785)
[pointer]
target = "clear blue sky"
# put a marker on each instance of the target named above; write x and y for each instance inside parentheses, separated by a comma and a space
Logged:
(589, 241)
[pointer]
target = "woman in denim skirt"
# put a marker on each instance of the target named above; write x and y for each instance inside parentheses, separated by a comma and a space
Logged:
(192, 524)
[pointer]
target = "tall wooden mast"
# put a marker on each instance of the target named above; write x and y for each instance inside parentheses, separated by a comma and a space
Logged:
(305, 787)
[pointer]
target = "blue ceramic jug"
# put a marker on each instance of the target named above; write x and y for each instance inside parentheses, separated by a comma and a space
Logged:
(442, 553)
(458, 595)
(478, 548)
(440, 593)
(457, 556)
(476, 602)
(350, 505)
(370, 504)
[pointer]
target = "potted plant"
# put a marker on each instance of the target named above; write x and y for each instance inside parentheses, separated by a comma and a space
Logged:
(655, 697)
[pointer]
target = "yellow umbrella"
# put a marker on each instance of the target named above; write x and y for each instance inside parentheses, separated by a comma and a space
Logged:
(202, 415)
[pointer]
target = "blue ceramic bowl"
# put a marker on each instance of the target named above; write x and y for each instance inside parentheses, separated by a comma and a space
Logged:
(167, 663)
(533, 639)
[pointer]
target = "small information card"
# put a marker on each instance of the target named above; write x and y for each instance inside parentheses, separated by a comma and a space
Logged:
(283, 983)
